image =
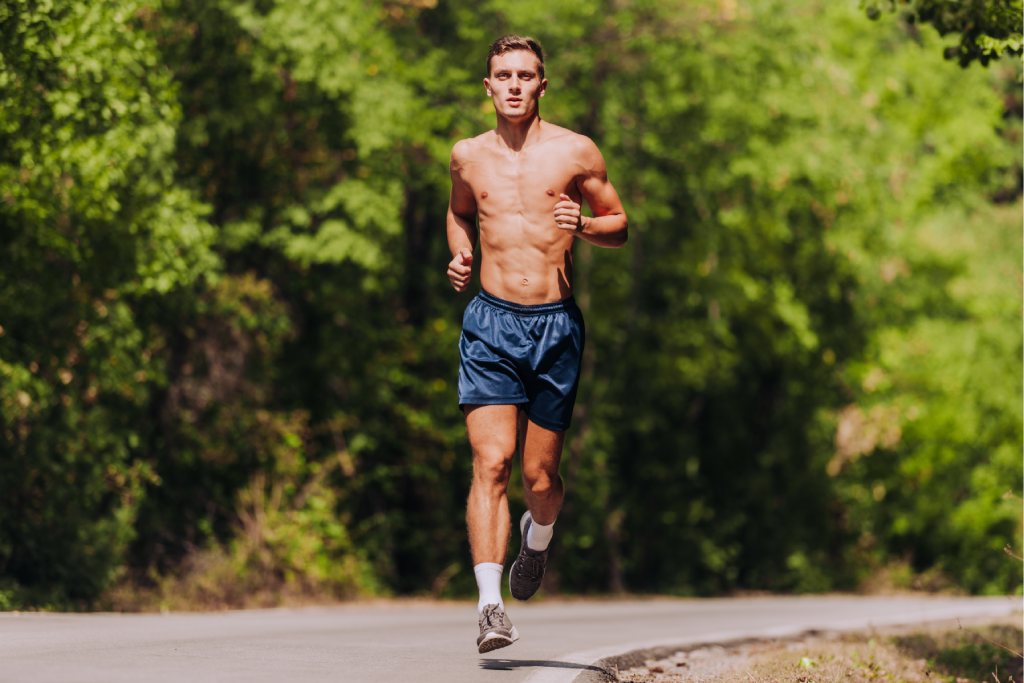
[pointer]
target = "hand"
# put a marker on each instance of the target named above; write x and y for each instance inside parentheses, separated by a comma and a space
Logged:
(567, 214)
(460, 269)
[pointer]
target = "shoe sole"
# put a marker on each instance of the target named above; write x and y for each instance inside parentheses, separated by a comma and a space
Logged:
(522, 533)
(495, 641)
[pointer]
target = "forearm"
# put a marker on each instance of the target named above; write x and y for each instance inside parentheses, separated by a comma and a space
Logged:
(461, 233)
(610, 230)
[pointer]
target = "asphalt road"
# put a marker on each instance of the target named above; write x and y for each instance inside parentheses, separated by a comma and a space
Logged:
(422, 642)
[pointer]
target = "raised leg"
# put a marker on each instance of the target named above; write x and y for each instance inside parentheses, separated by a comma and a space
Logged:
(542, 484)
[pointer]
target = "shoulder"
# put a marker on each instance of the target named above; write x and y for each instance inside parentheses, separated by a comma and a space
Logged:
(462, 152)
(467, 149)
(586, 149)
(584, 153)
(575, 145)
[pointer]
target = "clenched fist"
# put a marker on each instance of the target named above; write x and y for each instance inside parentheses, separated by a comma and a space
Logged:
(460, 269)
(567, 214)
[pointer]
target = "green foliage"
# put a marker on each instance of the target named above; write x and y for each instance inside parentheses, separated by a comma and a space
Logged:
(988, 29)
(930, 466)
(974, 654)
(91, 224)
(290, 543)
(228, 350)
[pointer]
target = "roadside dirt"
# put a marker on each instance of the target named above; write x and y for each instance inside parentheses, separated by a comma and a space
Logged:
(958, 652)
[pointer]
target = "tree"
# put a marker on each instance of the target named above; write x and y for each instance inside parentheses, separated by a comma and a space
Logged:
(93, 228)
(988, 29)
(228, 349)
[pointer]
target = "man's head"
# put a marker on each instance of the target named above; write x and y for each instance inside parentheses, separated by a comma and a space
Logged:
(514, 42)
(515, 76)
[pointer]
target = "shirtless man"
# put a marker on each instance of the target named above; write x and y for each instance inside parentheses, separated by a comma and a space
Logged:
(522, 335)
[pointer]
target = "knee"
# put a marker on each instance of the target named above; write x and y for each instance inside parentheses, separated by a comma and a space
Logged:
(492, 467)
(540, 481)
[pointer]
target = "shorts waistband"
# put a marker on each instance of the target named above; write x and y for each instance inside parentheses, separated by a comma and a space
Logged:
(528, 309)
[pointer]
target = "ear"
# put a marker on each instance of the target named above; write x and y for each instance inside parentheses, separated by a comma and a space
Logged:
(487, 86)
(543, 87)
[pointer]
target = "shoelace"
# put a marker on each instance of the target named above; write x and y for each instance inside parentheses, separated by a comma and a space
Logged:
(529, 567)
(492, 617)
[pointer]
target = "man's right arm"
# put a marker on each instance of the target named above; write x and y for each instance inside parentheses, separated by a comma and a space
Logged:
(461, 220)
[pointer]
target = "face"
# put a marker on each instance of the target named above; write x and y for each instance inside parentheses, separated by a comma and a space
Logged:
(515, 85)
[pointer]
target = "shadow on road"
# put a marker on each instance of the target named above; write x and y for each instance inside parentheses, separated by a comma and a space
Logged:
(512, 664)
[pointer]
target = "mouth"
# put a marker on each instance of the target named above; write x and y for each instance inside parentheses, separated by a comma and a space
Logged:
(514, 101)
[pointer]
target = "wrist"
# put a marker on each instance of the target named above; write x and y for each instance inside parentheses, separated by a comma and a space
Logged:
(582, 225)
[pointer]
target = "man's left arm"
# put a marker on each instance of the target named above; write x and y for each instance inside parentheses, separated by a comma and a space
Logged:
(609, 226)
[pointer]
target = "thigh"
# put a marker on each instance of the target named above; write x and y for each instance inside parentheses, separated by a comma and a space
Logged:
(492, 430)
(542, 448)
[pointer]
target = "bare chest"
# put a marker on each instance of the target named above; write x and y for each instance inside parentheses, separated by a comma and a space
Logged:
(522, 183)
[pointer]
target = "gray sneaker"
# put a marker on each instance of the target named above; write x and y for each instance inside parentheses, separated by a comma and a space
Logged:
(495, 629)
(528, 569)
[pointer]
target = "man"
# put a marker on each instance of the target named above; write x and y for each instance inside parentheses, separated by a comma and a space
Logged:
(522, 336)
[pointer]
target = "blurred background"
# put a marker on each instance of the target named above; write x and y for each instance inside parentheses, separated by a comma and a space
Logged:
(228, 348)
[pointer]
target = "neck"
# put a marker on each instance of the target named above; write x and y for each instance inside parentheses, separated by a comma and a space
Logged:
(516, 133)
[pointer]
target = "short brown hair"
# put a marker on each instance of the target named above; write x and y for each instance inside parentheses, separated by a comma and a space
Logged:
(513, 42)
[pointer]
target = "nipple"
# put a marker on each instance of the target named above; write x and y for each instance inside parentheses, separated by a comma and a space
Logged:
(550, 193)
(483, 195)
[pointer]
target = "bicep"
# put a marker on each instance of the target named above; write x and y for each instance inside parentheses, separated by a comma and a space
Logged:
(461, 201)
(597, 190)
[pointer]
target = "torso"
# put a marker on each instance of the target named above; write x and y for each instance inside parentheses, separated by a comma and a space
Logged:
(525, 257)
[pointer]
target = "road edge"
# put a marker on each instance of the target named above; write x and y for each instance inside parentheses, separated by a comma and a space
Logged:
(611, 666)
(603, 662)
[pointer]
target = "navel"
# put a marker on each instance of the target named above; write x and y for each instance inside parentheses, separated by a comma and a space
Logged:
(524, 282)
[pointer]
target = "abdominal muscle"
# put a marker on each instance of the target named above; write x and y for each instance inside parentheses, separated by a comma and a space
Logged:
(528, 263)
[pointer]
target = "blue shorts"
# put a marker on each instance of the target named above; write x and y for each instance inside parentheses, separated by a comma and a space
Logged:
(526, 355)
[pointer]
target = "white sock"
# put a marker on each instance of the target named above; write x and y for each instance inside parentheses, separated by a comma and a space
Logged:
(488, 580)
(538, 536)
